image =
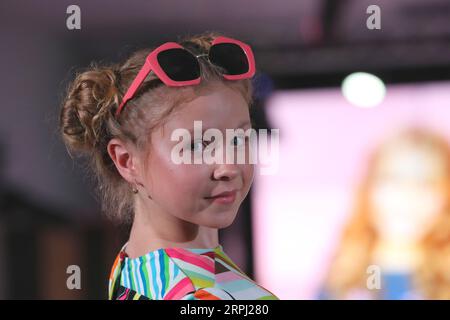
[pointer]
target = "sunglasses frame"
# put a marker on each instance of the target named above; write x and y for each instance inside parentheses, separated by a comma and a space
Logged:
(152, 64)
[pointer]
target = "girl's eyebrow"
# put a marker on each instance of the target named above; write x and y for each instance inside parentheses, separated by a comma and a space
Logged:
(241, 125)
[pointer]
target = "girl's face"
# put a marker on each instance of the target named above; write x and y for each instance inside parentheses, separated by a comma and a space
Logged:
(185, 190)
(408, 191)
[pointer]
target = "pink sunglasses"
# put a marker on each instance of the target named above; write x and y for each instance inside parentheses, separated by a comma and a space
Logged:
(176, 66)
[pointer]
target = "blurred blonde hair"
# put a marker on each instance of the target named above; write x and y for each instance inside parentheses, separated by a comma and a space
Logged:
(356, 248)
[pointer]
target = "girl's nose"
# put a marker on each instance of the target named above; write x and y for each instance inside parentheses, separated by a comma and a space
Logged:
(226, 172)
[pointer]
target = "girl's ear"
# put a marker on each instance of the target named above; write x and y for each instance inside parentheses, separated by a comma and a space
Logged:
(125, 159)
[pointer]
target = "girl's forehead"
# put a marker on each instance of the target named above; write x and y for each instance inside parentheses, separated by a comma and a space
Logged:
(221, 107)
(209, 114)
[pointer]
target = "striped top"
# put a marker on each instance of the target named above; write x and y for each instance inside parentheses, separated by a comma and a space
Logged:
(182, 274)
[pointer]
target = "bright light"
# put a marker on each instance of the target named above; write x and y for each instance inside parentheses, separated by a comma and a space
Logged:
(363, 89)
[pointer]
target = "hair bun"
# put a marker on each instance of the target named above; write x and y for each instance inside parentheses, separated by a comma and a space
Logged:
(90, 98)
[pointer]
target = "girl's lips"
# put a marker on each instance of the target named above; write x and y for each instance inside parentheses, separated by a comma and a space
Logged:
(224, 197)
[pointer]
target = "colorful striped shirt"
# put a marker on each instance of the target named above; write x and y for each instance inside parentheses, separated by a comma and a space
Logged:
(182, 274)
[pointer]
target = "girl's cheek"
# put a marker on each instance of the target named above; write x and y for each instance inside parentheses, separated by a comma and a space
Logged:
(249, 173)
(190, 173)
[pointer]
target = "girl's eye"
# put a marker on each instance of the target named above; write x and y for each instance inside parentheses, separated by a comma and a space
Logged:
(239, 141)
(197, 146)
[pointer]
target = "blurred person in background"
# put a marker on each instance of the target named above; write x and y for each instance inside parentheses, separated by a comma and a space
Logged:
(400, 224)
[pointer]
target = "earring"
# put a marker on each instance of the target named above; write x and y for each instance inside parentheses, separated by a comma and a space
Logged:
(135, 190)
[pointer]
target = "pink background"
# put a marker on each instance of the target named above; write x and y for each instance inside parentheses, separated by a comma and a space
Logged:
(324, 143)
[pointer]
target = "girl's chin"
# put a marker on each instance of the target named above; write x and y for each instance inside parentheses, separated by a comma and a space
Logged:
(219, 222)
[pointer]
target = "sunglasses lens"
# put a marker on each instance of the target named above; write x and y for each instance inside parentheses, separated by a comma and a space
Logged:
(179, 64)
(229, 56)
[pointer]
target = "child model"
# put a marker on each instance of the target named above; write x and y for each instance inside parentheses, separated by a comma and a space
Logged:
(124, 118)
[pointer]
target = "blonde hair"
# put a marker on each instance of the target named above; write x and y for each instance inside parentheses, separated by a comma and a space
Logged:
(87, 122)
(354, 254)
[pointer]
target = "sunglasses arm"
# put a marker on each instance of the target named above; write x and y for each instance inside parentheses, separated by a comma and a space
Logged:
(143, 73)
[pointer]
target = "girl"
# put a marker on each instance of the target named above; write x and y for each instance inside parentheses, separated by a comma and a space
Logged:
(123, 118)
(401, 224)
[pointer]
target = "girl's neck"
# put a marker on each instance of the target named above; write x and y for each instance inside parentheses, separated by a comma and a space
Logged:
(154, 231)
